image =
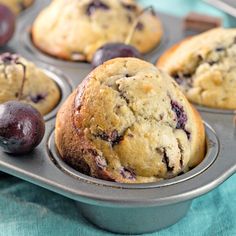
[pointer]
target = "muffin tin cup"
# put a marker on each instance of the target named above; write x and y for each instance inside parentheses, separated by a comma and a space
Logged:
(28, 46)
(132, 220)
(63, 84)
(212, 146)
(120, 208)
(125, 208)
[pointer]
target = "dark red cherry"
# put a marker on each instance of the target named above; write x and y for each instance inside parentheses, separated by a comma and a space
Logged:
(113, 50)
(7, 24)
(21, 127)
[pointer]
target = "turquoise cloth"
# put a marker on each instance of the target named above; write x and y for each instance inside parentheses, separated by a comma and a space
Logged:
(182, 7)
(28, 210)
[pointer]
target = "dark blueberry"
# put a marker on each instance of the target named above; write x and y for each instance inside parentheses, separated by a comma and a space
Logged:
(181, 162)
(114, 50)
(101, 162)
(21, 127)
(140, 26)
(181, 154)
(8, 58)
(7, 24)
(114, 135)
(94, 5)
(177, 78)
(181, 173)
(37, 98)
(102, 135)
(219, 49)
(187, 133)
(161, 116)
(127, 173)
(200, 57)
(114, 138)
(129, 7)
(166, 160)
(181, 117)
(211, 63)
(181, 78)
(187, 75)
(180, 114)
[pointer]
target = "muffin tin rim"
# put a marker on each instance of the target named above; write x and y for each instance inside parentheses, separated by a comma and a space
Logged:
(62, 82)
(25, 172)
(210, 157)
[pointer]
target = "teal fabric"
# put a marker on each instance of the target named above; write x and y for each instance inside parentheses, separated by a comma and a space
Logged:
(182, 7)
(28, 210)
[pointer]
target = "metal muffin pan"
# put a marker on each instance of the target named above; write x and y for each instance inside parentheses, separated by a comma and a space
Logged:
(63, 84)
(120, 208)
(212, 147)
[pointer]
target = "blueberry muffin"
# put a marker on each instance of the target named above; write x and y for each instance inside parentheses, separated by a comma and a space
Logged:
(205, 68)
(39, 90)
(129, 122)
(17, 6)
(74, 30)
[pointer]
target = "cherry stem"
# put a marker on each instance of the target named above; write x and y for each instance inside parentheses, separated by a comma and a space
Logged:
(134, 26)
(20, 95)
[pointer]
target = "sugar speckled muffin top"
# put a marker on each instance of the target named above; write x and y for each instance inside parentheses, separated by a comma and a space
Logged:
(74, 30)
(129, 122)
(17, 6)
(205, 67)
(39, 90)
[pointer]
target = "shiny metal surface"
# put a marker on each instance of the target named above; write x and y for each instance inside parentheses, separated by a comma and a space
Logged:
(117, 207)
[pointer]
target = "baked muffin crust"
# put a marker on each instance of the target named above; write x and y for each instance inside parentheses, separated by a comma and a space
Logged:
(205, 67)
(129, 122)
(74, 30)
(39, 90)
